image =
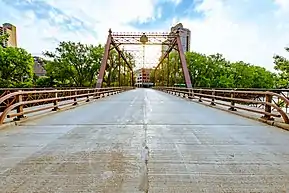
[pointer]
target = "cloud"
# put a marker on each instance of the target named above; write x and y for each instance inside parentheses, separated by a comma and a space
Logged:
(283, 6)
(241, 30)
(42, 24)
(43, 29)
(247, 30)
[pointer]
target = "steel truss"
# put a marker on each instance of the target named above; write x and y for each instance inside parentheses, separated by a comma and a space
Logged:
(115, 40)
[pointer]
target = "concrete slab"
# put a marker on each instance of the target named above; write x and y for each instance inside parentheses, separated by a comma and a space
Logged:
(96, 148)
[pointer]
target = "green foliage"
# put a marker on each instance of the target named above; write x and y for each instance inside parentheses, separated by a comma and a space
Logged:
(282, 66)
(44, 81)
(74, 64)
(3, 38)
(16, 67)
(117, 71)
(213, 71)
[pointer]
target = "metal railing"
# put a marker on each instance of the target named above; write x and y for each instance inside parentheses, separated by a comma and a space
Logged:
(261, 102)
(18, 103)
(5, 91)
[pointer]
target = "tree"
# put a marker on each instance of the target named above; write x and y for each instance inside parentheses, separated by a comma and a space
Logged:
(213, 71)
(3, 38)
(282, 66)
(117, 71)
(74, 64)
(169, 72)
(43, 81)
(16, 67)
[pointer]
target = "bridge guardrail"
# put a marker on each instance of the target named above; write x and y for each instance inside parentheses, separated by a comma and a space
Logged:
(230, 98)
(23, 100)
(5, 91)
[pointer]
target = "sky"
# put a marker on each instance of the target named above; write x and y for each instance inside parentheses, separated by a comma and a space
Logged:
(248, 30)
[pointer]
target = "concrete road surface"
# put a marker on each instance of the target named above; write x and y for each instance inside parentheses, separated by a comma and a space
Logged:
(97, 148)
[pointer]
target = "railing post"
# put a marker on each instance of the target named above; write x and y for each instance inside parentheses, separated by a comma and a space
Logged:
(55, 103)
(95, 96)
(19, 109)
(213, 98)
(232, 102)
(268, 108)
(200, 97)
(87, 98)
(192, 95)
(75, 98)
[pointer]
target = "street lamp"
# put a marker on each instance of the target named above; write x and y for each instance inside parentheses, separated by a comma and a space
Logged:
(144, 40)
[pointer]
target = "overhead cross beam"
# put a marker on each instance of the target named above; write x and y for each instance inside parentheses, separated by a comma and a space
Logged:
(154, 38)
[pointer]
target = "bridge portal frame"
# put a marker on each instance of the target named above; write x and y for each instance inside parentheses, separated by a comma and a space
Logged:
(172, 40)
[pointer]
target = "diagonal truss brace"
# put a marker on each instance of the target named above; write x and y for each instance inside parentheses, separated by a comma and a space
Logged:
(121, 54)
(167, 53)
(104, 61)
(110, 42)
(176, 44)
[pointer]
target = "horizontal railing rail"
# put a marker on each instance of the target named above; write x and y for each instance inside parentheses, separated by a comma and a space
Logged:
(5, 91)
(230, 98)
(22, 101)
(277, 90)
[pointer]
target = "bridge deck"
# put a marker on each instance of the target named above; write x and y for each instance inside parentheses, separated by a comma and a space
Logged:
(96, 148)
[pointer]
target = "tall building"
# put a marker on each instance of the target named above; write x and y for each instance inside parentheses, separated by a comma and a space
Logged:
(1, 33)
(185, 36)
(11, 31)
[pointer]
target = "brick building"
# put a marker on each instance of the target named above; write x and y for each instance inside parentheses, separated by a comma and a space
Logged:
(143, 77)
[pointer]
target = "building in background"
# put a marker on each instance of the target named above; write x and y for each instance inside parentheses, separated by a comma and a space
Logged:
(143, 77)
(9, 29)
(39, 66)
(1, 33)
(185, 36)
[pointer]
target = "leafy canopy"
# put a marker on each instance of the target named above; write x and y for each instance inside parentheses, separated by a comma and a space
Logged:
(16, 67)
(74, 63)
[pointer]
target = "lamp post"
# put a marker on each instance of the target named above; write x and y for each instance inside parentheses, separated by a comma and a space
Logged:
(143, 40)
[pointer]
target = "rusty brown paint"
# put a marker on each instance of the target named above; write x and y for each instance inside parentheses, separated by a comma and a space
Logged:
(104, 61)
(184, 63)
